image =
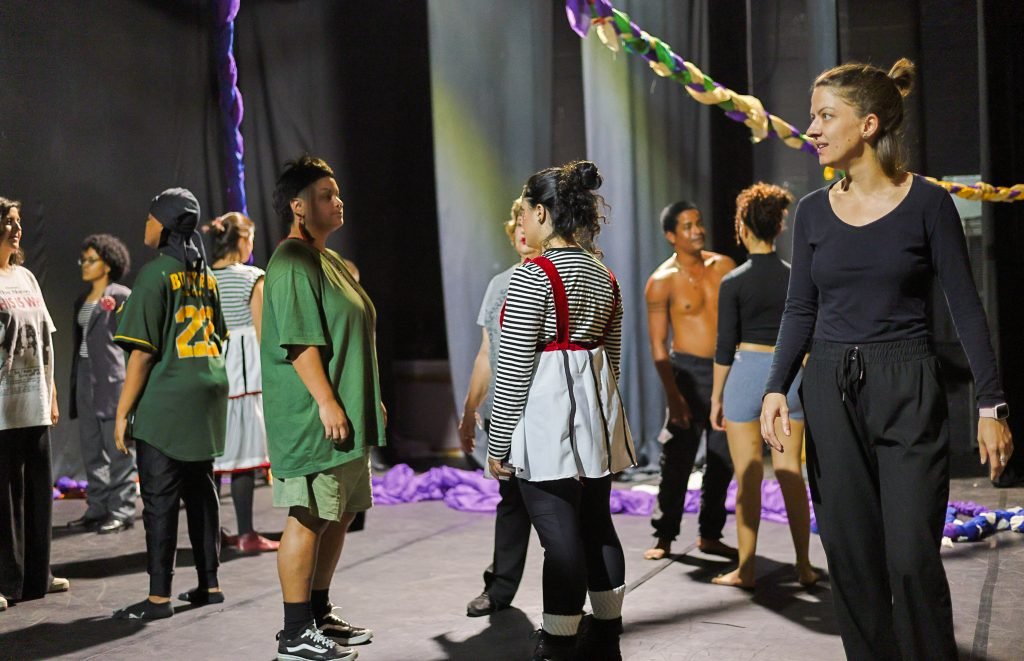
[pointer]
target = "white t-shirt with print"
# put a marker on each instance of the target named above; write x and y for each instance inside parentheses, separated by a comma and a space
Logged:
(26, 351)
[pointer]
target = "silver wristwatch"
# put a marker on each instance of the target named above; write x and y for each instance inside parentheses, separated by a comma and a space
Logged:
(998, 412)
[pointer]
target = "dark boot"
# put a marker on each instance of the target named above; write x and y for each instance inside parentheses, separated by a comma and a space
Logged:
(599, 639)
(554, 648)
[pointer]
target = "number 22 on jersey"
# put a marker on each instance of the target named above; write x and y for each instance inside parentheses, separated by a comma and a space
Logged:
(194, 340)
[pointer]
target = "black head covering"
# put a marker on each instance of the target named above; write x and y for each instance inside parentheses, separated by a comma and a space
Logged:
(177, 209)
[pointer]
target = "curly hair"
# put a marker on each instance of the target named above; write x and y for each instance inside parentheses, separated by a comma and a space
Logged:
(567, 192)
(6, 205)
(510, 224)
(112, 251)
(761, 208)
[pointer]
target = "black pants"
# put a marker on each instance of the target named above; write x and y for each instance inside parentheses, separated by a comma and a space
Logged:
(878, 463)
(164, 482)
(693, 379)
(26, 509)
(581, 550)
(511, 540)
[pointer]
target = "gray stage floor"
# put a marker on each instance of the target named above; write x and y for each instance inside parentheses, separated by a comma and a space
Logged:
(410, 573)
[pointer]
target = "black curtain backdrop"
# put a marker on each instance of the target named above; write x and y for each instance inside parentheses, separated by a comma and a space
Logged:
(109, 102)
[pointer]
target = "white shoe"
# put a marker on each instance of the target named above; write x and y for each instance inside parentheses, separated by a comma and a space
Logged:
(3, 603)
(59, 585)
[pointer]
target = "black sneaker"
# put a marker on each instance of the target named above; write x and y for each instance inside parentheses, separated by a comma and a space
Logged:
(554, 648)
(341, 631)
(311, 645)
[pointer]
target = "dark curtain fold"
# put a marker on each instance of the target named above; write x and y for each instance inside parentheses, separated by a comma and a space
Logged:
(105, 105)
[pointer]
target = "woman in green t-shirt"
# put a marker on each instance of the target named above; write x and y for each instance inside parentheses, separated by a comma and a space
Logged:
(321, 400)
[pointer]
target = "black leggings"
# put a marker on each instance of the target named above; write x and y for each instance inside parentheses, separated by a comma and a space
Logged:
(164, 482)
(581, 549)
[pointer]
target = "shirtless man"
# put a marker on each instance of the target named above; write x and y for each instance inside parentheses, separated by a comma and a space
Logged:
(683, 293)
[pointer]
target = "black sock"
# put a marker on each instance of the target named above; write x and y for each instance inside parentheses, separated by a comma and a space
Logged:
(242, 485)
(297, 616)
(320, 603)
(145, 610)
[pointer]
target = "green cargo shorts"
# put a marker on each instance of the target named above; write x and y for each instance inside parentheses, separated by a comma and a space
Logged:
(330, 493)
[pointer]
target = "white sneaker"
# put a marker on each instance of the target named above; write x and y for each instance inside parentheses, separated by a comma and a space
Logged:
(59, 585)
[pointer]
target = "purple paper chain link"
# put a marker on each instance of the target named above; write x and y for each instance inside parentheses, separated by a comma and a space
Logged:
(230, 101)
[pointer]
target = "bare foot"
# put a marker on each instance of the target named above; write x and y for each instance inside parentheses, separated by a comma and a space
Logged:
(732, 579)
(807, 575)
(662, 548)
(717, 547)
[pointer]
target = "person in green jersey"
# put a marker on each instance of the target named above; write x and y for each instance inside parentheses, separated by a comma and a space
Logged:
(322, 406)
(174, 400)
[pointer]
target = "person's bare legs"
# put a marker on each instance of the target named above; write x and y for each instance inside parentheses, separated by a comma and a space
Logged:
(745, 445)
(332, 540)
(794, 493)
(297, 556)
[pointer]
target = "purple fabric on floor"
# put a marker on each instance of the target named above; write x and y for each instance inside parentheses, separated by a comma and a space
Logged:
(470, 491)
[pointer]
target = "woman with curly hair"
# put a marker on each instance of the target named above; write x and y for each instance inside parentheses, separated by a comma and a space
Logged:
(557, 422)
(97, 376)
(750, 304)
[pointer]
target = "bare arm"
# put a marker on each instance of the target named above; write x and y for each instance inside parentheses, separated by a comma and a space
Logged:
(256, 307)
(310, 368)
(656, 295)
(721, 373)
(136, 374)
(54, 409)
(479, 384)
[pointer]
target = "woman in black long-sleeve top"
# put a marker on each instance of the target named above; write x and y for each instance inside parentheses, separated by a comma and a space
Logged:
(750, 304)
(865, 252)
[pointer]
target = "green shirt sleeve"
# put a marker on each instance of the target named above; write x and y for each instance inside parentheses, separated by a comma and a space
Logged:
(297, 310)
(142, 320)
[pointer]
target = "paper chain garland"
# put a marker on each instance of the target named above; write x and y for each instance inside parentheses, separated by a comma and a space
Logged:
(983, 522)
(616, 30)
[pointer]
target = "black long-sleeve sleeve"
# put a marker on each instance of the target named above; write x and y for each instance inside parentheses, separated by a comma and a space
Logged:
(953, 268)
(801, 311)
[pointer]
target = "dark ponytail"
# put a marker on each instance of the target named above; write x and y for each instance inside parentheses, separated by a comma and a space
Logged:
(567, 192)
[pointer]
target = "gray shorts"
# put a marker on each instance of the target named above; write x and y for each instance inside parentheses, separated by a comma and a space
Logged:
(744, 389)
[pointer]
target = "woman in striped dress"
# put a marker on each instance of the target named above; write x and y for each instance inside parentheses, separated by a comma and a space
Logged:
(241, 292)
(557, 421)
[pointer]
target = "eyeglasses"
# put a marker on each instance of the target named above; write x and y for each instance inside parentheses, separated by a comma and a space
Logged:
(88, 261)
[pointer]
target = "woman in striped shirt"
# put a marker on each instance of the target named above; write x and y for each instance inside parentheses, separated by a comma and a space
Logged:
(241, 295)
(557, 422)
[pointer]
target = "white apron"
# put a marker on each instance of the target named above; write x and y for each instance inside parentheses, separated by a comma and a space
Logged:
(573, 424)
(245, 443)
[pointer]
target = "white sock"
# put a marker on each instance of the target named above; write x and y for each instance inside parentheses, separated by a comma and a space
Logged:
(607, 604)
(561, 625)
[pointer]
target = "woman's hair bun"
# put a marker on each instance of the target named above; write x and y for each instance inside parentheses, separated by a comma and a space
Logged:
(584, 173)
(902, 74)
